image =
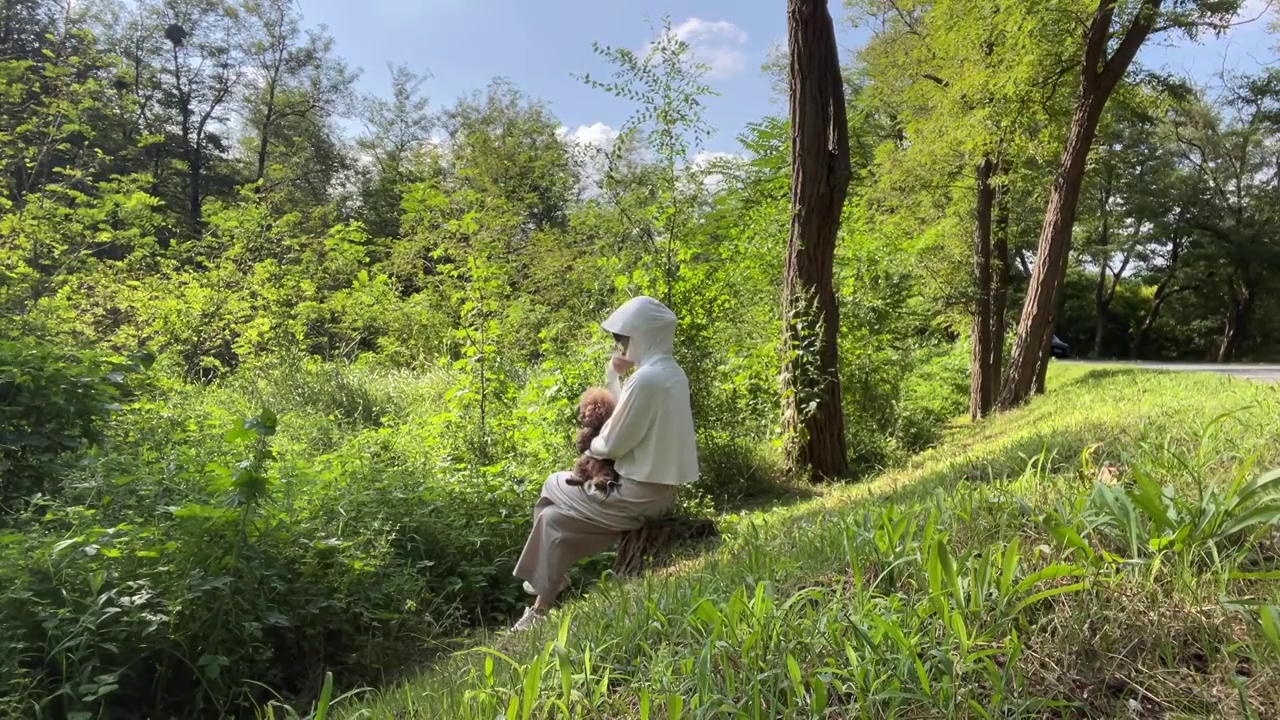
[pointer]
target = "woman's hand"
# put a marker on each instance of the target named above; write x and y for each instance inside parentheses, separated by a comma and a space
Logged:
(621, 364)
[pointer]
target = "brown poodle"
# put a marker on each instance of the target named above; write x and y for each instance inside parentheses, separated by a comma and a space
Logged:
(593, 474)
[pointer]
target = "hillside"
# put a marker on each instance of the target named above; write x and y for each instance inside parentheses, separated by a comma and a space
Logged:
(1096, 554)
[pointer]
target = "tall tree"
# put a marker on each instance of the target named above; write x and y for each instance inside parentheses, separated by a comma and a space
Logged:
(813, 419)
(1001, 275)
(506, 144)
(982, 369)
(974, 86)
(53, 100)
(396, 131)
(296, 82)
(1127, 201)
(25, 27)
(204, 70)
(1163, 261)
(1103, 65)
(660, 143)
(1232, 150)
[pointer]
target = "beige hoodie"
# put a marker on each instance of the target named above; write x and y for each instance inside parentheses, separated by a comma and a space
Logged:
(650, 436)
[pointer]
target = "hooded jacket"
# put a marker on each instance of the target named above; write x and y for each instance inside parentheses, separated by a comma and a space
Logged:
(650, 436)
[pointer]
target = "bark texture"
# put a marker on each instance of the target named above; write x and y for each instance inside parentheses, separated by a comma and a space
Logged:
(813, 419)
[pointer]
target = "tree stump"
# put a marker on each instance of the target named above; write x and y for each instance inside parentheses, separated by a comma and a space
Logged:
(654, 543)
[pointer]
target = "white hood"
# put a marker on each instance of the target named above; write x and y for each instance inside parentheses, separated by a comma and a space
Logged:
(650, 436)
(649, 324)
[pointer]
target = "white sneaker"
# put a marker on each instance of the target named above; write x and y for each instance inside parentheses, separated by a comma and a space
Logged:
(530, 618)
(529, 588)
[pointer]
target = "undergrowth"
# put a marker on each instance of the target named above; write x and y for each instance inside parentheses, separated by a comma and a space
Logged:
(1109, 551)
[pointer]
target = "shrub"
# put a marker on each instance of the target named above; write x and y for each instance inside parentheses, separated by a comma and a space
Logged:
(52, 405)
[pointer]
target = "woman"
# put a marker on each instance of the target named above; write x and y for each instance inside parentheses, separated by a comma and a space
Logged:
(650, 437)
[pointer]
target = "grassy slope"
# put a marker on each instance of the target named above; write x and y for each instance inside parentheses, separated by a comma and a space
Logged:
(935, 590)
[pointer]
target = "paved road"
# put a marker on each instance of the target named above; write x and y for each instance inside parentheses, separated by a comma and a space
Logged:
(1258, 373)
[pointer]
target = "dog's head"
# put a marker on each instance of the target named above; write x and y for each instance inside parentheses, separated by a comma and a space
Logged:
(594, 408)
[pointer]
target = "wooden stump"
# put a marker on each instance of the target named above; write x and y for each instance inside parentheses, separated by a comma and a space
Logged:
(653, 543)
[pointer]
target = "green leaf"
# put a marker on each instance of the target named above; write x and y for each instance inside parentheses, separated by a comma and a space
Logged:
(1056, 571)
(949, 572)
(1264, 516)
(1046, 594)
(793, 670)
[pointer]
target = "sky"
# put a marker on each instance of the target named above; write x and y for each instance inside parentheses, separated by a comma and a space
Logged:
(542, 45)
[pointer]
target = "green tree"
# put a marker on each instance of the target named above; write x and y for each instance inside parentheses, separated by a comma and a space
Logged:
(1111, 40)
(1231, 149)
(296, 87)
(972, 88)
(396, 131)
(1126, 200)
(52, 109)
(505, 144)
(658, 142)
(205, 70)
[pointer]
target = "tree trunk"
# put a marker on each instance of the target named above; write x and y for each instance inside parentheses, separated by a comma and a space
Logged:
(813, 419)
(190, 146)
(277, 33)
(264, 137)
(1042, 368)
(1099, 76)
(1164, 291)
(1035, 327)
(1237, 323)
(1162, 294)
(1100, 303)
(195, 165)
(1023, 264)
(981, 387)
(1101, 313)
(1000, 287)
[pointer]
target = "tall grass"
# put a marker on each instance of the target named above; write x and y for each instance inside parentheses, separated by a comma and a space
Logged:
(1109, 551)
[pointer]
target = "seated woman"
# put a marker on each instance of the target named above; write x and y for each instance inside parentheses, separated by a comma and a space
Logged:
(651, 439)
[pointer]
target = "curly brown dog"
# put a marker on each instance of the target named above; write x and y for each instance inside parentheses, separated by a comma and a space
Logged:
(593, 474)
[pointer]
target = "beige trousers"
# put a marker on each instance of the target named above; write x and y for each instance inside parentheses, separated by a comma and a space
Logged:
(569, 524)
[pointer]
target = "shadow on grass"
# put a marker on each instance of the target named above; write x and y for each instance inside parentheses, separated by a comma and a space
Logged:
(758, 495)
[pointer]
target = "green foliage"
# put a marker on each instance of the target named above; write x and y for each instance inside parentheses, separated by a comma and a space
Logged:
(216, 553)
(53, 405)
(1214, 520)
(667, 90)
(367, 354)
(927, 593)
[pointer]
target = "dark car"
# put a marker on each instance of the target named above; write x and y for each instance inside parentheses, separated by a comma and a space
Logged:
(1059, 349)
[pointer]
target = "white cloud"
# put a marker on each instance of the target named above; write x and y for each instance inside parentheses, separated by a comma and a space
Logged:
(597, 135)
(718, 44)
(590, 144)
(713, 166)
(705, 158)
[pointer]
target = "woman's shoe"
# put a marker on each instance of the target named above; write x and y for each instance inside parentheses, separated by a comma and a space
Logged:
(530, 618)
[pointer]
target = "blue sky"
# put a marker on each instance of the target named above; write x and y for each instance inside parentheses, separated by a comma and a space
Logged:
(542, 45)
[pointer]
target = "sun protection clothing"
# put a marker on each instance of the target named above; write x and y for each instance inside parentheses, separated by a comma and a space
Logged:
(650, 436)
(570, 524)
